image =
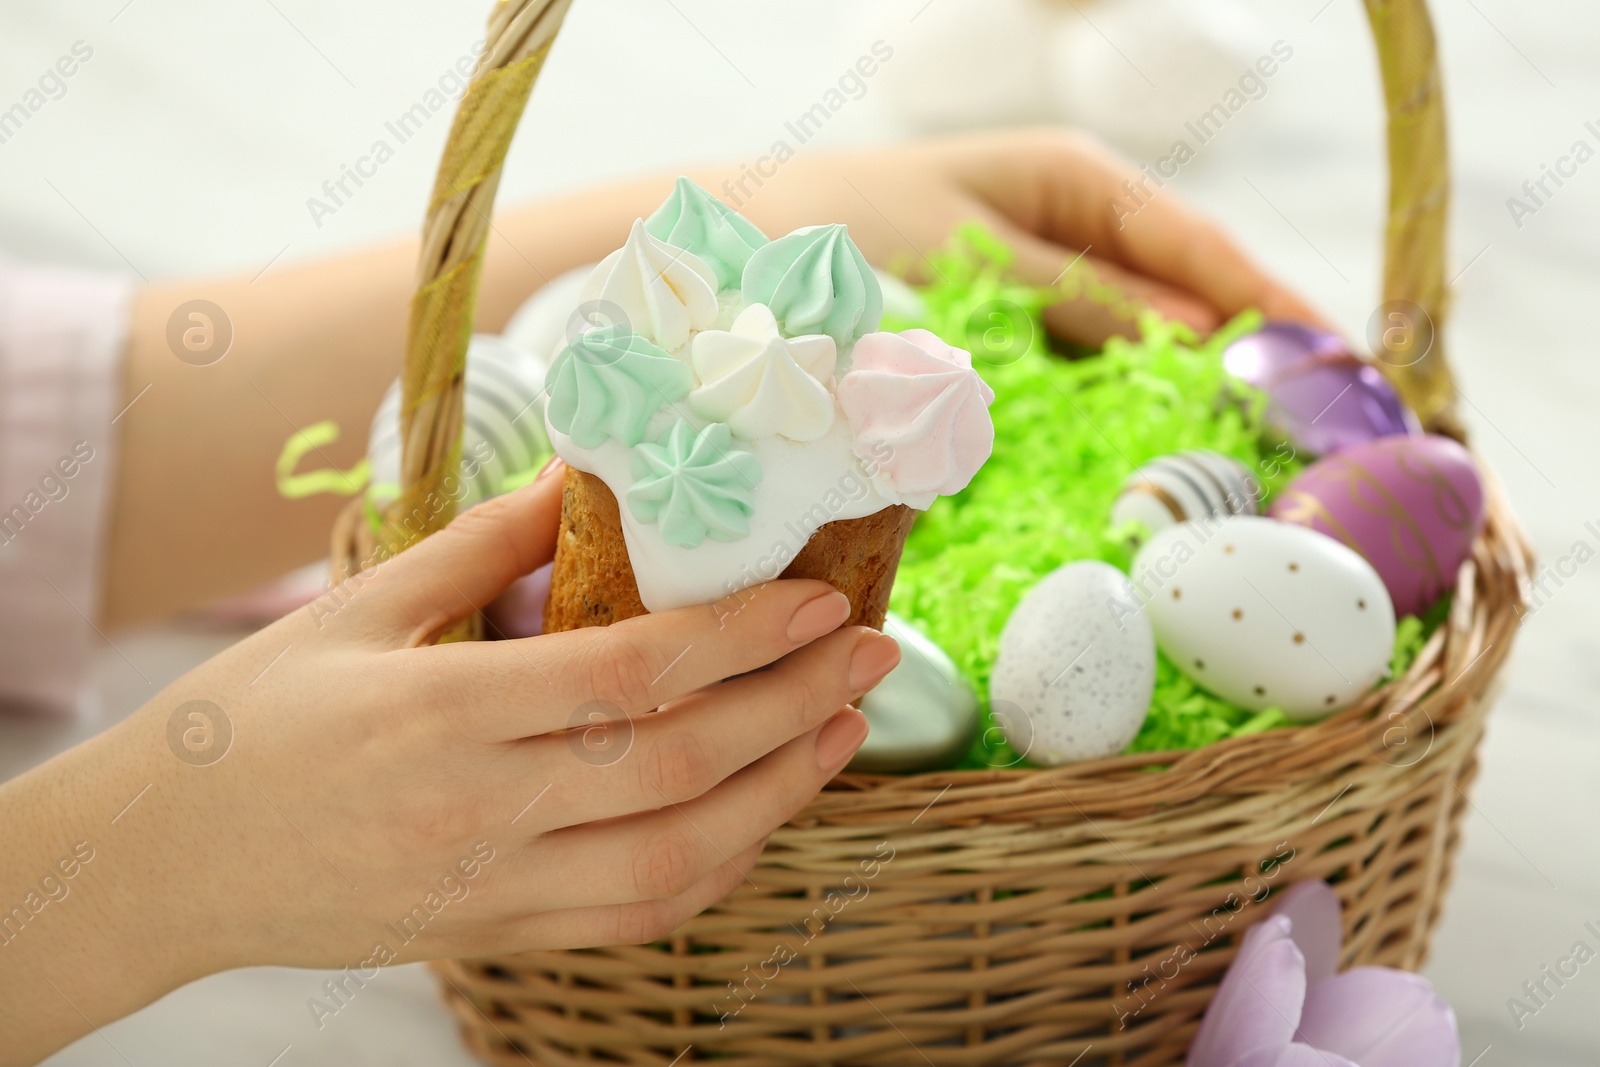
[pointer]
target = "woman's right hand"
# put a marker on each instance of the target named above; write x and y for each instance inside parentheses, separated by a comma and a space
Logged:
(351, 794)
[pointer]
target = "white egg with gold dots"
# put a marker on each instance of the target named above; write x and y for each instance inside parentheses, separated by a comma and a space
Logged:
(1267, 614)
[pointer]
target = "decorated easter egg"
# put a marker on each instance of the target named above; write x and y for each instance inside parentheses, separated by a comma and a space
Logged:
(549, 319)
(923, 715)
(900, 300)
(1410, 505)
(1279, 348)
(1267, 614)
(1187, 486)
(1319, 395)
(1076, 666)
(503, 439)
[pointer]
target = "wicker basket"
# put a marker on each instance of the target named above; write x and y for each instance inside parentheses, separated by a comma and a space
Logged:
(1076, 915)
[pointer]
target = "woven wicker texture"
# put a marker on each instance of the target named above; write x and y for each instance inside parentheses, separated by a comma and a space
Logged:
(519, 38)
(1416, 296)
(1033, 916)
(1016, 917)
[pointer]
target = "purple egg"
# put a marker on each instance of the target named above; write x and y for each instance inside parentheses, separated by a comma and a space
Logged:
(1410, 505)
(1319, 395)
(1264, 356)
(519, 611)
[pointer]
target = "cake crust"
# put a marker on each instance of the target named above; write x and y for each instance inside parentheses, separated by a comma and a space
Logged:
(592, 581)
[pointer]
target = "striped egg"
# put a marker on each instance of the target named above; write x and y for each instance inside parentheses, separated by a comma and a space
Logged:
(503, 438)
(1188, 486)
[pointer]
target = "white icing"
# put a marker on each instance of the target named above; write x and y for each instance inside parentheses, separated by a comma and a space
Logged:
(661, 292)
(802, 487)
(760, 382)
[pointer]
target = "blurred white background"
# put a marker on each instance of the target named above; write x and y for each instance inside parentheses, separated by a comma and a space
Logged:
(191, 140)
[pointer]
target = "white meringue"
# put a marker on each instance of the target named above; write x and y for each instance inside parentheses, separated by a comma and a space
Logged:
(761, 383)
(659, 291)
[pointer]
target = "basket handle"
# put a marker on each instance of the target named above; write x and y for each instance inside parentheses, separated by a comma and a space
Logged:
(1416, 295)
(519, 37)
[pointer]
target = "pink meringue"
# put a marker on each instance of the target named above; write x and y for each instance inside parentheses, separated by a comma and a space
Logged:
(919, 414)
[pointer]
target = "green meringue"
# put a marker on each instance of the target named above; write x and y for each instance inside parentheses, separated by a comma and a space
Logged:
(694, 485)
(693, 219)
(609, 382)
(816, 280)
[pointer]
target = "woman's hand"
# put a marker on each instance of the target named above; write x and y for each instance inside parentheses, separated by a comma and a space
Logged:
(1055, 196)
(339, 791)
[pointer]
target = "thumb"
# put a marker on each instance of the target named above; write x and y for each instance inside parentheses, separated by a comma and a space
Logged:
(448, 576)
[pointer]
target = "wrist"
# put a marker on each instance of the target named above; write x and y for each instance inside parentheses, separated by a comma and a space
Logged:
(91, 927)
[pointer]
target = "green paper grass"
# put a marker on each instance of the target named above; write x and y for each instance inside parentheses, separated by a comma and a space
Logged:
(1067, 434)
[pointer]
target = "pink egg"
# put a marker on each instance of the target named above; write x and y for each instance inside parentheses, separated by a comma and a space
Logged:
(1410, 505)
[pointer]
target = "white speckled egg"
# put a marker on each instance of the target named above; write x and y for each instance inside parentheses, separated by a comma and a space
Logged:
(1267, 614)
(1076, 668)
(1187, 486)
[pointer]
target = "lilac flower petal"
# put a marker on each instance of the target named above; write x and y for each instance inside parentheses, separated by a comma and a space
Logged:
(1258, 1004)
(1295, 1055)
(1313, 912)
(1381, 1017)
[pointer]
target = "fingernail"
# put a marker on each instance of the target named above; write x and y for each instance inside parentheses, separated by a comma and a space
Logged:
(839, 739)
(818, 616)
(873, 658)
(556, 463)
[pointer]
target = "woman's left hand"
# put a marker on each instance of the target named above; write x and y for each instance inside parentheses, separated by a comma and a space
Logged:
(1057, 197)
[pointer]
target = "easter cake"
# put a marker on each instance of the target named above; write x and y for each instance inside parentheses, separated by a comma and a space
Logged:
(730, 412)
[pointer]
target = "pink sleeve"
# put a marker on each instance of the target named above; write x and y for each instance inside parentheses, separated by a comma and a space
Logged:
(61, 341)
